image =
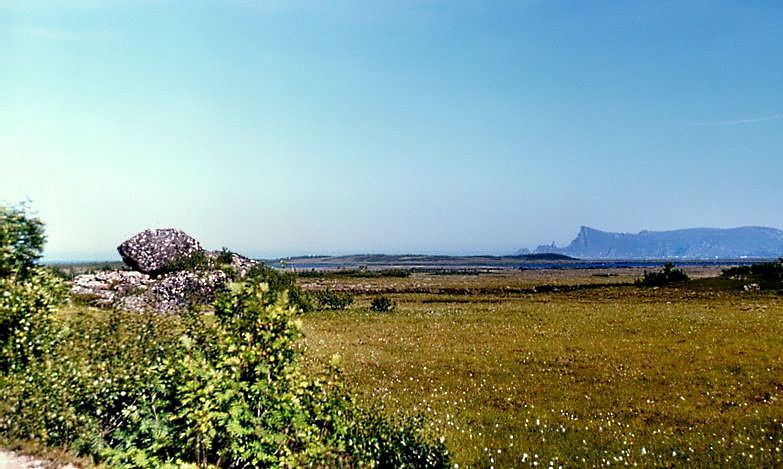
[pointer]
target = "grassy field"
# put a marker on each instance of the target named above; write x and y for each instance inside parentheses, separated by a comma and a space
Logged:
(595, 377)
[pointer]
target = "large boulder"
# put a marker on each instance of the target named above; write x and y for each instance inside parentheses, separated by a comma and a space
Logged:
(151, 251)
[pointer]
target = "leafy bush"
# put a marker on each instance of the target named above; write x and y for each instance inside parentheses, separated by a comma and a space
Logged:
(27, 306)
(198, 260)
(225, 256)
(141, 390)
(21, 241)
(278, 281)
(201, 260)
(667, 276)
(28, 293)
(382, 304)
(330, 299)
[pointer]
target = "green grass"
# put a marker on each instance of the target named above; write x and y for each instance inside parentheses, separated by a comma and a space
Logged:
(655, 377)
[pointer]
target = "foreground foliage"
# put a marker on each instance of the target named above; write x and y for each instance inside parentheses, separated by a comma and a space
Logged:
(140, 390)
(152, 391)
(21, 241)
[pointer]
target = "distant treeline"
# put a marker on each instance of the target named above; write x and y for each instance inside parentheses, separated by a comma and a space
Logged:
(354, 273)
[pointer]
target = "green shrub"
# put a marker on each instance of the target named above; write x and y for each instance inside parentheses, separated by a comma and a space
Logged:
(382, 304)
(201, 260)
(28, 293)
(668, 275)
(27, 307)
(279, 281)
(198, 260)
(330, 299)
(225, 256)
(142, 390)
(21, 241)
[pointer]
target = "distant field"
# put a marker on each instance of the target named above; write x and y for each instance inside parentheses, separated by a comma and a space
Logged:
(608, 376)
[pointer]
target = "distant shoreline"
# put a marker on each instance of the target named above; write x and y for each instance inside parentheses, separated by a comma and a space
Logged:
(422, 262)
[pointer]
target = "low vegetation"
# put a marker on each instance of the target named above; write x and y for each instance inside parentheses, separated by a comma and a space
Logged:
(382, 304)
(766, 275)
(189, 390)
(330, 299)
(666, 276)
(669, 377)
(514, 369)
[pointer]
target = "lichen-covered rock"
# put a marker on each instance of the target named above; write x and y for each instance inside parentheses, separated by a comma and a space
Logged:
(151, 251)
(179, 290)
(106, 287)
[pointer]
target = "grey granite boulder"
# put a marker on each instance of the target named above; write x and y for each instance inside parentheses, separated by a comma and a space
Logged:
(152, 250)
(105, 288)
(180, 290)
(134, 291)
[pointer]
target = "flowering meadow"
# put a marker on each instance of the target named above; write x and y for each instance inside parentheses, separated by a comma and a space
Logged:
(615, 376)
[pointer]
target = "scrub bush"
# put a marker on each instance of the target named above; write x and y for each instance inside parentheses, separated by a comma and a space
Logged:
(769, 275)
(330, 299)
(668, 275)
(278, 281)
(382, 304)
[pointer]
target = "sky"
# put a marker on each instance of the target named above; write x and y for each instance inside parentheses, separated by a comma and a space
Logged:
(302, 127)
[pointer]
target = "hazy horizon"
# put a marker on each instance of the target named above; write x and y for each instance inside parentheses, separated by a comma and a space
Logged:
(465, 127)
(99, 256)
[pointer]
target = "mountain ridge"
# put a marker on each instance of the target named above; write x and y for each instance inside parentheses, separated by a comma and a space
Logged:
(686, 243)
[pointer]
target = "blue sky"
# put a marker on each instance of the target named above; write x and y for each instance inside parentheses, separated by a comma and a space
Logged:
(426, 126)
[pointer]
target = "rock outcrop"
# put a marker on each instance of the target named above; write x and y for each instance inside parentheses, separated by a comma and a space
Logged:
(104, 288)
(158, 282)
(151, 251)
(238, 262)
(176, 291)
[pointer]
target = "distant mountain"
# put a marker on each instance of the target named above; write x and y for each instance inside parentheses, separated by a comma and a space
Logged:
(694, 243)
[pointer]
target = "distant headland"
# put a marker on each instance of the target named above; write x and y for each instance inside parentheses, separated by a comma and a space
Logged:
(693, 243)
